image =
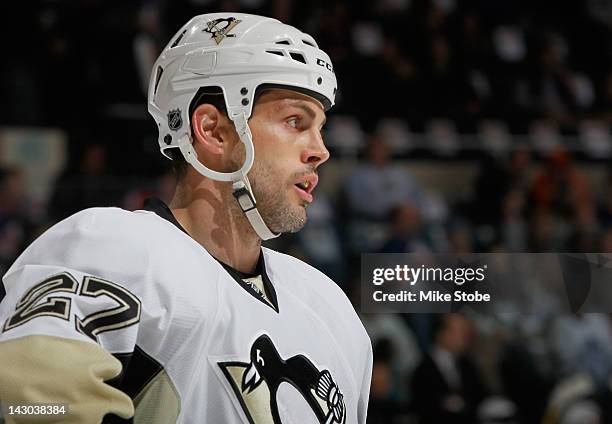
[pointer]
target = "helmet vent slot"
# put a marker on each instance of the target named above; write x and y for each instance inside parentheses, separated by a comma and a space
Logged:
(285, 42)
(298, 56)
(178, 39)
(309, 43)
(276, 52)
(160, 71)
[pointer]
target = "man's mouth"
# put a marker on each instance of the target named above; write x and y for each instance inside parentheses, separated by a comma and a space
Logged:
(304, 186)
(307, 183)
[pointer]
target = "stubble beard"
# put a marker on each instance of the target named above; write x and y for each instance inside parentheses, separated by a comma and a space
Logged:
(279, 212)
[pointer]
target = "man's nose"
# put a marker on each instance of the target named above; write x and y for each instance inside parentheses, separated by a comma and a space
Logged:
(316, 152)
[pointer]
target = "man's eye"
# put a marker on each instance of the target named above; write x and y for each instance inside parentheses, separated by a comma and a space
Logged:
(293, 122)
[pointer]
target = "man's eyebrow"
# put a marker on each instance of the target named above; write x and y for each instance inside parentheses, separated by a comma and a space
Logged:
(299, 104)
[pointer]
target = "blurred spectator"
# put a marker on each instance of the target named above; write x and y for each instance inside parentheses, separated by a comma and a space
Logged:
(583, 344)
(320, 241)
(393, 330)
(384, 406)
(572, 402)
(13, 196)
(513, 223)
(585, 231)
(146, 43)
(446, 386)
(497, 410)
(397, 73)
(460, 237)
(439, 58)
(378, 185)
(491, 183)
(90, 184)
(549, 90)
(563, 207)
(547, 233)
(502, 217)
(583, 412)
(447, 93)
(15, 219)
(406, 231)
(161, 187)
(382, 373)
(373, 189)
(495, 180)
(560, 188)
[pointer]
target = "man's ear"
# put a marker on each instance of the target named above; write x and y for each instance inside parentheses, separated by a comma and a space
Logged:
(205, 121)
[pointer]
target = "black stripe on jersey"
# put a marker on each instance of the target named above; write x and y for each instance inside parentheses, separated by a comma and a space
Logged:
(137, 370)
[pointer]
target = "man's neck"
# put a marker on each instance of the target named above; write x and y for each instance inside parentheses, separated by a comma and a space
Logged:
(211, 216)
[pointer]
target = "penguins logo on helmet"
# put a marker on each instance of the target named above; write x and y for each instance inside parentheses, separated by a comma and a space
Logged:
(218, 31)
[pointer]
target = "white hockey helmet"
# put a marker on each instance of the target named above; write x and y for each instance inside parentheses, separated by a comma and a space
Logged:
(237, 53)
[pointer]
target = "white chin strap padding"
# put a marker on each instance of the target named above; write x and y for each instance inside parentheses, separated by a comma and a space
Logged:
(244, 195)
(241, 188)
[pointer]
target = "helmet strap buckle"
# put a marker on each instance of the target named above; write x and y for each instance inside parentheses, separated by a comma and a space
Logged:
(244, 197)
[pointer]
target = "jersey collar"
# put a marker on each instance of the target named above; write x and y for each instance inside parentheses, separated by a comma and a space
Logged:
(153, 204)
(157, 206)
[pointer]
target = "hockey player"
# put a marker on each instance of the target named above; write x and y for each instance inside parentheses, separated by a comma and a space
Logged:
(177, 313)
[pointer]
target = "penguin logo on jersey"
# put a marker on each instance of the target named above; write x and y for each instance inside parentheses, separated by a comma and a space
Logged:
(256, 384)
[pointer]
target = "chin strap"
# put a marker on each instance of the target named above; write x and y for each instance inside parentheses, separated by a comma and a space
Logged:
(242, 188)
(240, 183)
(244, 195)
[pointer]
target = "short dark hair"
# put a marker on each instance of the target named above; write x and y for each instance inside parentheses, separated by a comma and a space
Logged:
(211, 95)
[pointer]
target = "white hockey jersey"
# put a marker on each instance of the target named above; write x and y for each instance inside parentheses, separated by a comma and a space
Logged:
(115, 313)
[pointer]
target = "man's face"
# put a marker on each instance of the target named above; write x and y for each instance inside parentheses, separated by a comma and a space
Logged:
(286, 128)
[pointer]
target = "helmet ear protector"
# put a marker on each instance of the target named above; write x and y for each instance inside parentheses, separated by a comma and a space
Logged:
(241, 54)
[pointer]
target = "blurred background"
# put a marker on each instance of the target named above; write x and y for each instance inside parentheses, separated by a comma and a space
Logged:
(460, 126)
